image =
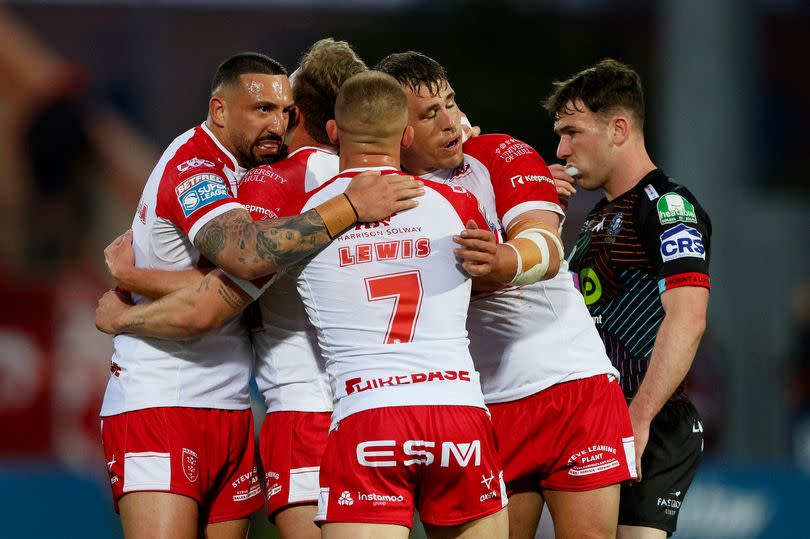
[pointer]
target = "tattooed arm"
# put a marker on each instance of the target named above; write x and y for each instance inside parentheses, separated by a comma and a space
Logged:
(248, 249)
(185, 314)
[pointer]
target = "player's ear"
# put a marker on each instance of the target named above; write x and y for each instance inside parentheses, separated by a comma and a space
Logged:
(296, 119)
(620, 128)
(332, 131)
(216, 110)
(407, 137)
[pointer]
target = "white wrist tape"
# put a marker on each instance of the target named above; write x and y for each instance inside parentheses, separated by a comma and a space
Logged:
(538, 270)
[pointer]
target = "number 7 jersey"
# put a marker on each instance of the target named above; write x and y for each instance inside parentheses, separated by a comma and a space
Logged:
(390, 303)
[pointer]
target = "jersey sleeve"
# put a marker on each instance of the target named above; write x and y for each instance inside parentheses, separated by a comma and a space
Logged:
(520, 178)
(676, 233)
(190, 196)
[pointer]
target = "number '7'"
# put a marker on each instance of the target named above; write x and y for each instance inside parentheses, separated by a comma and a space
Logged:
(405, 288)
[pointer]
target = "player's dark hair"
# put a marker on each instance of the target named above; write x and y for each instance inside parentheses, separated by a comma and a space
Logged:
(607, 86)
(414, 70)
(231, 69)
(321, 72)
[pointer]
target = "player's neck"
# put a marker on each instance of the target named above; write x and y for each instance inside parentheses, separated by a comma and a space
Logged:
(359, 159)
(219, 134)
(300, 139)
(628, 172)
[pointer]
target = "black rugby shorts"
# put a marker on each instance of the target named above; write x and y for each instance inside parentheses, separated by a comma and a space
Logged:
(668, 467)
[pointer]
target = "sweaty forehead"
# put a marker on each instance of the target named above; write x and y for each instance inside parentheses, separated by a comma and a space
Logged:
(261, 87)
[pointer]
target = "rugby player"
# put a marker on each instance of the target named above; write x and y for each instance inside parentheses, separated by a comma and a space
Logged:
(199, 469)
(642, 260)
(561, 421)
(409, 428)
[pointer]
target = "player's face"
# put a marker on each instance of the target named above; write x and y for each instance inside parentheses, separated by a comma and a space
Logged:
(258, 113)
(584, 144)
(437, 134)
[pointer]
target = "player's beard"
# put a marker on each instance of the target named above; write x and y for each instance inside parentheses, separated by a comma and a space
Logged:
(282, 153)
(252, 158)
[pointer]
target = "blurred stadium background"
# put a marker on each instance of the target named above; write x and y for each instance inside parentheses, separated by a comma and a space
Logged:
(92, 91)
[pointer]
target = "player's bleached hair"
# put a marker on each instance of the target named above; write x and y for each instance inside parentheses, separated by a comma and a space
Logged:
(243, 63)
(603, 88)
(371, 108)
(321, 72)
(414, 70)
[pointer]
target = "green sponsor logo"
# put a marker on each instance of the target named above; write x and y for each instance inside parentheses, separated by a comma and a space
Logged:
(590, 286)
(673, 208)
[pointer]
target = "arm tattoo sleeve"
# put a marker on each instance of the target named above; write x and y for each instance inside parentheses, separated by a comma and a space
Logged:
(266, 245)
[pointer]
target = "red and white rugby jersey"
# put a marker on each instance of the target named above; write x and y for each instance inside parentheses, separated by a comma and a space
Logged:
(290, 370)
(390, 303)
(523, 339)
(194, 181)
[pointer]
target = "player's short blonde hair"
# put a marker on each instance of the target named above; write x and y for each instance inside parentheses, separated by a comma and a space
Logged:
(321, 72)
(371, 107)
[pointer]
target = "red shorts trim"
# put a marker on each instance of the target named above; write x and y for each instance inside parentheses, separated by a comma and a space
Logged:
(381, 464)
(292, 445)
(205, 454)
(573, 436)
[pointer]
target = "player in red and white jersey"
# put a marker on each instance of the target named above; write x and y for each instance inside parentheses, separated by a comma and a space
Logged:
(289, 369)
(562, 423)
(189, 199)
(389, 300)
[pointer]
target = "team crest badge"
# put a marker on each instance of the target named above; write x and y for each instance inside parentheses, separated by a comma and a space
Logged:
(191, 467)
(615, 224)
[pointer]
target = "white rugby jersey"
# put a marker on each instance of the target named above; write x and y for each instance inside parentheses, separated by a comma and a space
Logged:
(390, 303)
(523, 339)
(194, 181)
(290, 370)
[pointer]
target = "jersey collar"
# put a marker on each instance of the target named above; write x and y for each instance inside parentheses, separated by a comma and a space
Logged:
(364, 169)
(316, 148)
(236, 167)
